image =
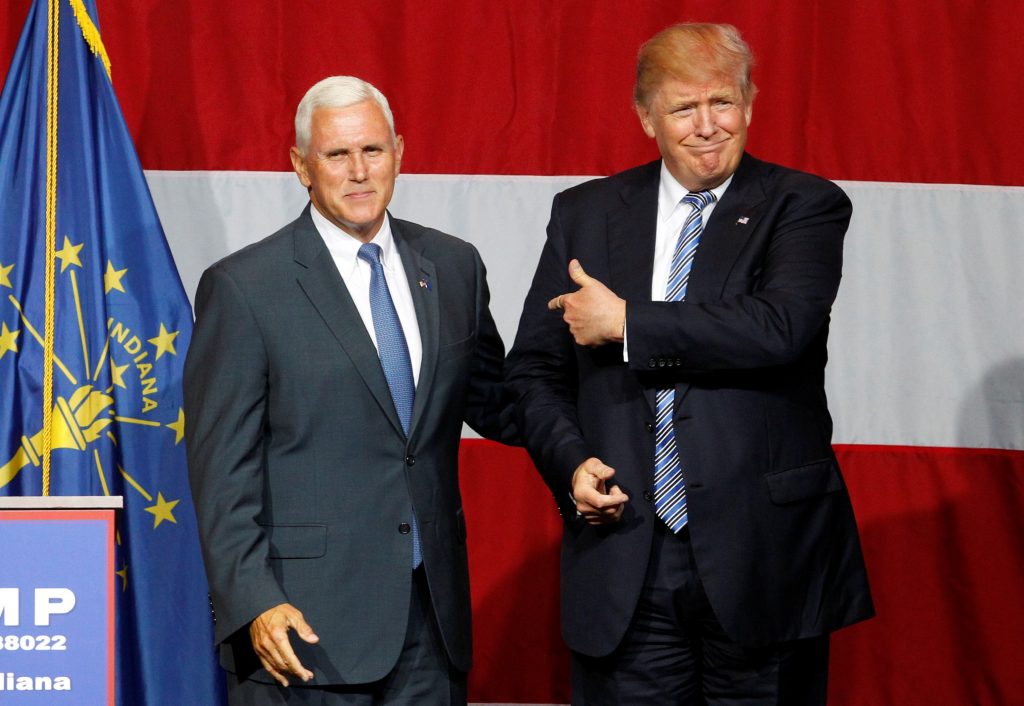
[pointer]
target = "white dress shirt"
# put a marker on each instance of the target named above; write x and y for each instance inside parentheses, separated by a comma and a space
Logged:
(672, 214)
(344, 251)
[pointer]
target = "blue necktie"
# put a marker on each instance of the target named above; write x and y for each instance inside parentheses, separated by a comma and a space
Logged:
(669, 486)
(394, 356)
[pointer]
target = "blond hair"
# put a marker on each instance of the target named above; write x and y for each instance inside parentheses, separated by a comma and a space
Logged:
(694, 52)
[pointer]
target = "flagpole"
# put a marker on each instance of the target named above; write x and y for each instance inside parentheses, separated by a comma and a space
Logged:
(52, 66)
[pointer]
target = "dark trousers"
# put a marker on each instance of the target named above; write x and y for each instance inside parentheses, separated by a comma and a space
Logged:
(675, 653)
(421, 677)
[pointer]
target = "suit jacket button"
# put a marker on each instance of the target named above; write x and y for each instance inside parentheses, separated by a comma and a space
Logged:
(410, 460)
(648, 496)
(649, 427)
(404, 528)
(652, 363)
(661, 362)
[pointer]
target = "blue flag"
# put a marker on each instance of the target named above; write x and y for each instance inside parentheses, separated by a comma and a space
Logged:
(73, 195)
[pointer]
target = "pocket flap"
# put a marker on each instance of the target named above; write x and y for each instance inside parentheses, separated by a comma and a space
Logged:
(296, 541)
(804, 482)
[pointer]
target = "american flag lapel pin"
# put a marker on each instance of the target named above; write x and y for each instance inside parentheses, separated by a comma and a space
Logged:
(742, 220)
(425, 284)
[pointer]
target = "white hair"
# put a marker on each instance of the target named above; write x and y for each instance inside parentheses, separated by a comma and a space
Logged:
(336, 92)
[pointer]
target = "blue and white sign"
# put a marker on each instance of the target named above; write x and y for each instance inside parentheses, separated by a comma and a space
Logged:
(56, 607)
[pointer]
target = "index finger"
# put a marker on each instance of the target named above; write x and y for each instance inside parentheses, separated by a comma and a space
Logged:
(291, 661)
(615, 492)
(269, 666)
(600, 501)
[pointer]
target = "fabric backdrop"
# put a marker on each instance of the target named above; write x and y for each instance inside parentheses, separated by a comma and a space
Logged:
(912, 107)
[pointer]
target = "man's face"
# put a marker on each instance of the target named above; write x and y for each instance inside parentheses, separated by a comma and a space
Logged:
(350, 166)
(700, 128)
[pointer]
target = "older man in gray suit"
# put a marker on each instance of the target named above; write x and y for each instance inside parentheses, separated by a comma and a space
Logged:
(330, 371)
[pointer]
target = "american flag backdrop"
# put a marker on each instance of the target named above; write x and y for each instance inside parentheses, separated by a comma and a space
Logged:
(913, 107)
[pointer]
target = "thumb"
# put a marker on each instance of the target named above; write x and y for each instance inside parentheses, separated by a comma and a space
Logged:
(304, 630)
(616, 492)
(577, 274)
(601, 471)
(297, 621)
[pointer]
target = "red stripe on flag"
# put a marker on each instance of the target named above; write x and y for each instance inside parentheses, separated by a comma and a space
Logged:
(943, 539)
(873, 90)
(513, 533)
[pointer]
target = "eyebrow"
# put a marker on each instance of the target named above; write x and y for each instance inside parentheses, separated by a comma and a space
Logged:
(348, 150)
(726, 93)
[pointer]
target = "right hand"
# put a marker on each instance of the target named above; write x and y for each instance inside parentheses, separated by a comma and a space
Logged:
(269, 634)
(596, 501)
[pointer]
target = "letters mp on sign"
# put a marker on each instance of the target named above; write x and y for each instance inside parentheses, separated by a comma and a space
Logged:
(57, 607)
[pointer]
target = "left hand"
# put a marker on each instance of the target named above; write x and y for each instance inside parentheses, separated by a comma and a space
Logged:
(597, 500)
(269, 635)
(595, 314)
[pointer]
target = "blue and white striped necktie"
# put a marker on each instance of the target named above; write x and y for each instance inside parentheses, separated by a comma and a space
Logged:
(669, 486)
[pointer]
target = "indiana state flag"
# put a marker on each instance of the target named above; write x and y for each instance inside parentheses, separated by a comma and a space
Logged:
(94, 325)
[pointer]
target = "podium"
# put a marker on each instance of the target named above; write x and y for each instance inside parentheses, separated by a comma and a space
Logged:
(57, 600)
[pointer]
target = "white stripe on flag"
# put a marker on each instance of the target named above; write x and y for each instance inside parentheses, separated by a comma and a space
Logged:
(927, 342)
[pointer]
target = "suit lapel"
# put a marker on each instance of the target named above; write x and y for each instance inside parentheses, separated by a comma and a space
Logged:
(327, 293)
(422, 276)
(631, 234)
(632, 228)
(727, 232)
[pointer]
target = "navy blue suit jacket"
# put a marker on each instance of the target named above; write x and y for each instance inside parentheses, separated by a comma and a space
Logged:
(771, 524)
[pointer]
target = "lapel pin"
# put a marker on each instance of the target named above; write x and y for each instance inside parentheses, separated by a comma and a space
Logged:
(424, 284)
(742, 220)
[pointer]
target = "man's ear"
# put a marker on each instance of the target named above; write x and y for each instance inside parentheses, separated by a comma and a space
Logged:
(644, 113)
(399, 151)
(299, 165)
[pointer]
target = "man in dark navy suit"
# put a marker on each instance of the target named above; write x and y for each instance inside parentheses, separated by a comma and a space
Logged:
(669, 370)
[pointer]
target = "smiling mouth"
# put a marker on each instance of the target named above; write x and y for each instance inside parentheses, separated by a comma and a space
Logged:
(706, 146)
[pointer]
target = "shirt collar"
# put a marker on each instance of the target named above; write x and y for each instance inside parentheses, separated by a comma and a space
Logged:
(345, 248)
(671, 192)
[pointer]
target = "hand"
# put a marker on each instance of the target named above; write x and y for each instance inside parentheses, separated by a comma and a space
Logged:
(595, 314)
(597, 502)
(269, 634)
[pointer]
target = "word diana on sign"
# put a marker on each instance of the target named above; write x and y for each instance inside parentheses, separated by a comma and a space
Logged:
(9, 681)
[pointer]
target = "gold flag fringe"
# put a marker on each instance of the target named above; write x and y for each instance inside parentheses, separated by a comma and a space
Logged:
(91, 33)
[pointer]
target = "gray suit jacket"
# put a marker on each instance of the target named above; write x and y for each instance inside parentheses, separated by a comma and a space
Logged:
(301, 473)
